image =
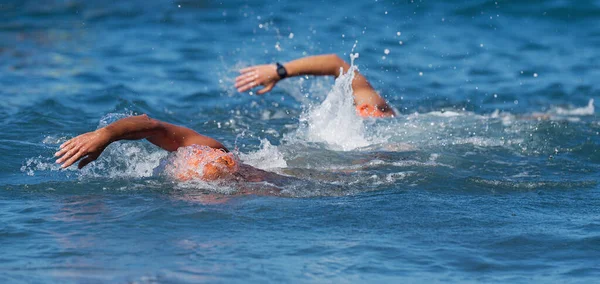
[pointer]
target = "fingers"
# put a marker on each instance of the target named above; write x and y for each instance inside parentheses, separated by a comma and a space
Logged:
(72, 159)
(266, 89)
(68, 142)
(248, 69)
(253, 76)
(247, 87)
(62, 150)
(246, 81)
(69, 153)
(86, 161)
(64, 147)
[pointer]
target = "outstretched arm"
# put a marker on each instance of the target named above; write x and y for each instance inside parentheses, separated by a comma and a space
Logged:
(320, 65)
(90, 145)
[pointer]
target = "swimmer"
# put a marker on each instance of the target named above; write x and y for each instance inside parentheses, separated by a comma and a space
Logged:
(367, 101)
(207, 159)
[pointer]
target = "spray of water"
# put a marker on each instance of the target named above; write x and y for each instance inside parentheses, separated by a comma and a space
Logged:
(268, 157)
(335, 122)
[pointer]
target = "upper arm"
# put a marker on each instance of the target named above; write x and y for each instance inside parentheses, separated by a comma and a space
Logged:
(364, 93)
(171, 137)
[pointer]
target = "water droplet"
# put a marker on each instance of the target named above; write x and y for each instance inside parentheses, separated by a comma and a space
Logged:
(386, 51)
(398, 33)
(420, 73)
(535, 75)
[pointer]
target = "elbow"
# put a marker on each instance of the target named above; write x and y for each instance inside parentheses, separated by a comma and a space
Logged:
(144, 116)
(338, 62)
(152, 123)
(147, 118)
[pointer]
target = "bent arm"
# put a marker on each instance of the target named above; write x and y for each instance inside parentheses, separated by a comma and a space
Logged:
(165, 135)
(319, 65)
(331, 64)
(90, 145)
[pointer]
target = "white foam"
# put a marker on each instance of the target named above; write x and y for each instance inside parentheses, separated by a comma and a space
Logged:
(125, 160)
(35, 164)
(54, 140)
(335, 122)
(586, 110)
(268, 157)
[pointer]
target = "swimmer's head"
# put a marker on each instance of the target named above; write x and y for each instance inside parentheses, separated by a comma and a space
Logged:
(203, 162)
(221, 167)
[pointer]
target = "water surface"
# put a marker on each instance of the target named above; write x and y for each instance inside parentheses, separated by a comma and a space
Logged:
(489, 173)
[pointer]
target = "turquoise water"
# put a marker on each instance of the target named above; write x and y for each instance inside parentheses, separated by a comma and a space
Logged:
(489, 173)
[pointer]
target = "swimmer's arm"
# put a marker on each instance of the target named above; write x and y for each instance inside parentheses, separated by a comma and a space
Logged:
(90, 145)
(319, 65)
(266, 75)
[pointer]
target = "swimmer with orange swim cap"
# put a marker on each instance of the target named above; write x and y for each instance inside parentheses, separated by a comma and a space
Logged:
(196, 156)
(367, 101)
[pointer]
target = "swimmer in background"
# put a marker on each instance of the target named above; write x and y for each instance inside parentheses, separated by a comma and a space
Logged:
(208, 159)
(367, 101)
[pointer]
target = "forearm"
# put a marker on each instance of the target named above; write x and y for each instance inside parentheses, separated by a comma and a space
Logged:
(320, 65)
(133, 128)
(325, 65)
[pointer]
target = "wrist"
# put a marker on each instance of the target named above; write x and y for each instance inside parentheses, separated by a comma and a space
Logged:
(281, 71)
(105, 133)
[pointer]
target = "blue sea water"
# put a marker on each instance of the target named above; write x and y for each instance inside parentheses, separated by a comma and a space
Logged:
(489, 173)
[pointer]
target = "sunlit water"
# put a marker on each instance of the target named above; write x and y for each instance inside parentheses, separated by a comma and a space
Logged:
(489, 173)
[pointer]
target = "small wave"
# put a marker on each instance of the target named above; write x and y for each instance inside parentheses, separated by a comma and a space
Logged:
(581, 111)
(531, 185)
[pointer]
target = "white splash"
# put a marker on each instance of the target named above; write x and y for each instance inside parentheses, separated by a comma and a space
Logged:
(125, 160)
(586, 110)
(335, 122)
(268, 157)
(41, 164)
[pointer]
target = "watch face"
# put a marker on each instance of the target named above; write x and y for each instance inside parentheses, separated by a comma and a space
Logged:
(281, 71)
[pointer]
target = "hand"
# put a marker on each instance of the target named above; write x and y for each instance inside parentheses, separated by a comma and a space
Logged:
(265, 75)
(89, 145)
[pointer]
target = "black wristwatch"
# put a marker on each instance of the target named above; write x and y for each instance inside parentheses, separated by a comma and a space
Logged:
(281, 71)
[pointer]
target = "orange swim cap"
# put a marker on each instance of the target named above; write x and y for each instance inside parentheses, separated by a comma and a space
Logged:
(203, 162)
(367, 110)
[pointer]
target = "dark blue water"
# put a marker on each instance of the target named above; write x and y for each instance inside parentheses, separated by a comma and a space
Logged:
(490, 172)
